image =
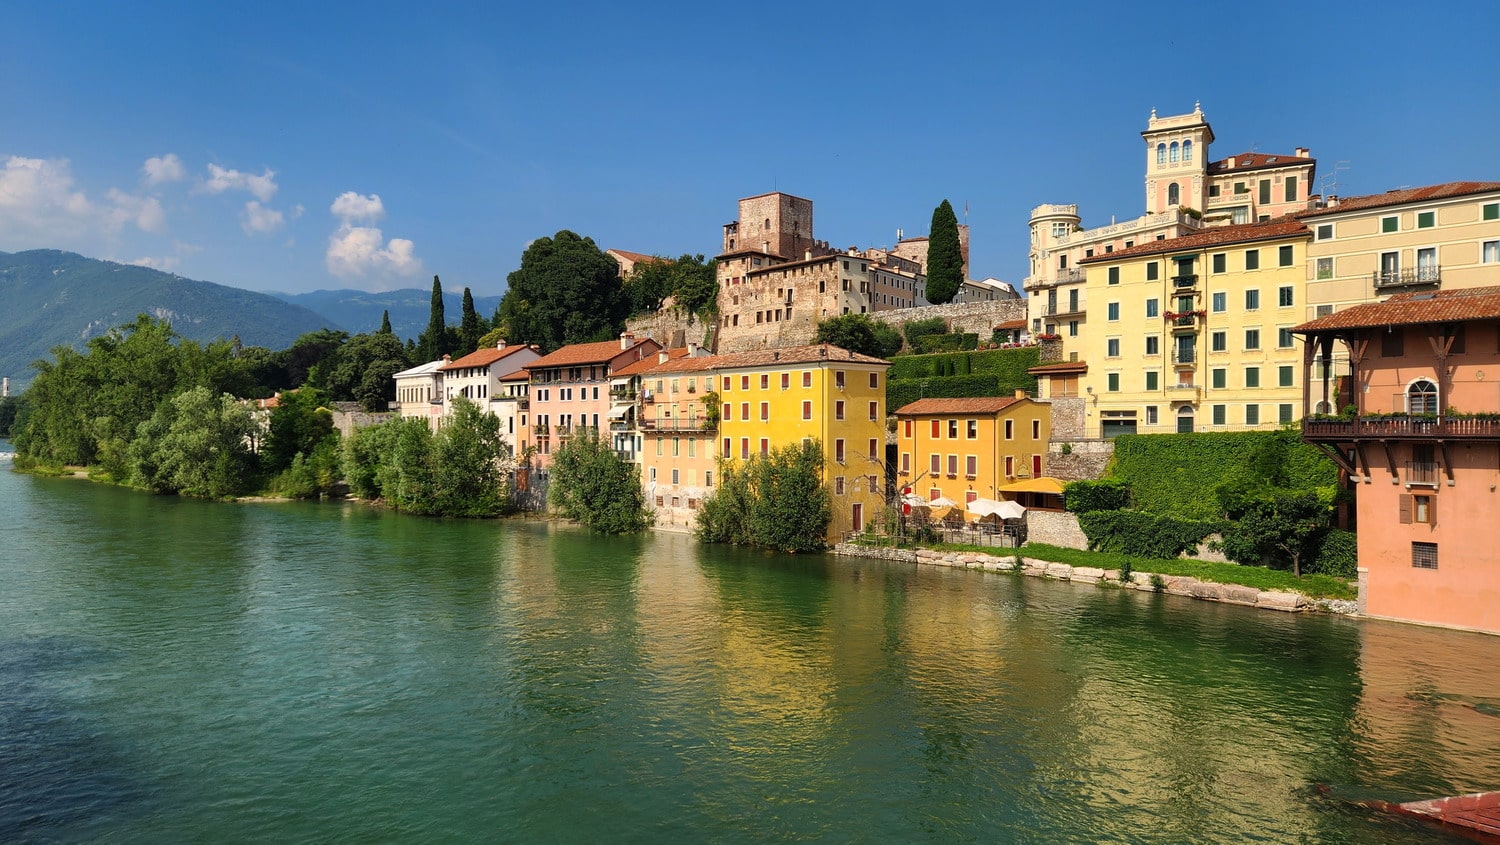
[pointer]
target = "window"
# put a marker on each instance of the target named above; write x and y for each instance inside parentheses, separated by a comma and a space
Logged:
(807, 378)
(1427, 266)
(765, 411)
(1265, 192)
(1112, 347)
(1218, 341)
(1161, 153)
(838, 379)
(1325, 268)
(936, 467)
(874, 381)
(744, 410)
(1152, 269)
(1010, 429)
(1490, 254)
(1424, 555)
(838, 450)
(1426, 219)
(1010, 466)
(1284, 375)
(728, 447)
(1284, 256)
(677, 447)
(1422, 509)
(1290, 195)
(1112, 311)
(1252, 376)
(1113, 382)
(806, 410)
(786, 380)
(1491, 211)
(1187, 150)
(1252, 338)
(953, 465)
(1284, 413)
(1219, 414)
(1072, 328)
(1219, 378)
(1252, 415)
(1036, 429)
(906, 463)
(971, 466)
(1284, 296)
(708, 478)
(653, 474)
(1153, 345)
(1173, 154)
(744, 382)
(1220, 262)
(1151, 379)
(1325, 232)
(1252, 259)
(745, 448)
(973, 429)
(952, 429)
(838, 409)
(1220, 302)
(874, 449)
(1239, 188)
(838, 485)
(874, 410)
(1422, 397)
(1114, 275)
(1252, 300)
(1390, 224)
(1151, 415)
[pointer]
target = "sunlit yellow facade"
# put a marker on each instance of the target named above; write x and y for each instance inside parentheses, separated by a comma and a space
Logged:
(966, 449)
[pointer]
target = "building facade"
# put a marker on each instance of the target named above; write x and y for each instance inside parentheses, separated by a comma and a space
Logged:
(570, 389)
(966, 449)
(1421, 443)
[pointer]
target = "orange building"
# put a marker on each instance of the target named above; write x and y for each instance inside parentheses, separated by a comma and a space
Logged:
(677, 431)
(1420, 440)
(967, 449)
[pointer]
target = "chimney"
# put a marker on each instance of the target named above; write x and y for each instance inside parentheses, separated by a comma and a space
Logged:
(500, 344)
(823, 351)
(693, 349)
(1021, 394)
(626, 340)
(1302, 152)
(1333, 200)
(807, 255)
(447, 358)
(1231, 162)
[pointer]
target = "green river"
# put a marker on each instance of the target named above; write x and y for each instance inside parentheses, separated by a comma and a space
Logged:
(181, 671)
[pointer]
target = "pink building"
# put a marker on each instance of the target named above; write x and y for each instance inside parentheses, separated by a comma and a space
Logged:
(1420, 440)
(570, 388)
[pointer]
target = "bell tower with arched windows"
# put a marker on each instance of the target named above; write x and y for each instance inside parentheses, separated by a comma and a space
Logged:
(1177, 161)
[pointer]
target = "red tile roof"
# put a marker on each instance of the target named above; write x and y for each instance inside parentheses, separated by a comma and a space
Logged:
(1256, 161)
(977, 405)
(1011, 324)
(792, 355)
(1405, 309)
(590, 353)
(485, 357)
(638, 257)
(1063, 368)
(1278, 229)
(522, 374)
(650, 362)
(1403, 196)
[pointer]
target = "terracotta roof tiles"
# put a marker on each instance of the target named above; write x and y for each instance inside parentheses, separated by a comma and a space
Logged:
(1280, 228)
(1404, 309)
(976, 405)
(1060, 368)
(484, 357)
(1401, 197)
(650, 362)
(638, 257)
(1256, 161)
(588, 353)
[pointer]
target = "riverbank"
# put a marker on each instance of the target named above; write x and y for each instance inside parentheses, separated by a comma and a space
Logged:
(1170, 584)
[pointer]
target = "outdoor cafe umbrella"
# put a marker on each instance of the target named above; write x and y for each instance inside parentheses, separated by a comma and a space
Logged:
(991, 507)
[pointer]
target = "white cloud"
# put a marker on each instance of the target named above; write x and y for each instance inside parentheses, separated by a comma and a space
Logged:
(219, 180)
(165, 263)
(260, 219)
(41, 205)
(350, 207)
(145, 212)
(159, 170)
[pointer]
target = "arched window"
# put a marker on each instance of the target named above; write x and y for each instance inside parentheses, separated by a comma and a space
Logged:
(1161, 153)
(1185, 419)
(1422, 397)
(1187, 150)
(1323, 407)
(1172, 152)
(1174, 195)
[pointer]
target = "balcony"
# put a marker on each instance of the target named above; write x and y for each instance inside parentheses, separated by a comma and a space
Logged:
(1185, 322)
(1421, 473)
(1069, 309)
(1184, 358)
(1334, 430)
(679, 424)
(1185, 283)
(1410, 277)
(619, 395)
(1182, 392)
(1059, 277)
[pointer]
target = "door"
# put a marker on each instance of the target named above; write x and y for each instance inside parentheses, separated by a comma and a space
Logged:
(1114, 428)
(1187, 345)
(1036, 466)
(1185, 421)
(858, 516)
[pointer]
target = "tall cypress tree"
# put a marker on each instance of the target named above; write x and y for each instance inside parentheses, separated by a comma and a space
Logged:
(385, 322)
(471, 328)
(431, 345)
(945, 259)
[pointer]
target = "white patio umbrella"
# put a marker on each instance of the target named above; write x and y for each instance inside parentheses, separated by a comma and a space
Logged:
(1010, 510)
(983, 507)
(940, 502)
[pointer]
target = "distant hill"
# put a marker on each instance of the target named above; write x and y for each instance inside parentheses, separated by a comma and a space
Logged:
(50, 298)
(357, 311)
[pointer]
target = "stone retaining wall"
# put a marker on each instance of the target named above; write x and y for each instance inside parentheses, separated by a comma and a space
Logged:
(1086, 460)
(1055, 529)
(1174, 585)
(975, 317)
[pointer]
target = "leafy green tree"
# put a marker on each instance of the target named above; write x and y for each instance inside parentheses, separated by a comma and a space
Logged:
(471, 328)
(1283, 528)
(775, 502)
(567, 290)
(308, 351)
(433, 342)
(859, 333)
(10, 409)
(197, 444)
(464, 470)
(490, 339)
(690, 281)
(945, 259)
(473, 464)
(298, 424)
(362, 371)
(591, 485)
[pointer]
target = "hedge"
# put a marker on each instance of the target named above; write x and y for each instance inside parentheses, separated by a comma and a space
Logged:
(932, 343)
(1008, 364)
(1106, 494)
(900, 393)
(917, 328)
(1180, 474)
(1338, 556)
(1150, 535)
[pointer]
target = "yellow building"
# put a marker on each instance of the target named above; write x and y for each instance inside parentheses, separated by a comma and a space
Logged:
(966, 449)
(676, 431)
(776, 397)
(1194, 333)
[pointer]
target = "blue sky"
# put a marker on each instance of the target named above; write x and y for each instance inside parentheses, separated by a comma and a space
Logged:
(301, 146)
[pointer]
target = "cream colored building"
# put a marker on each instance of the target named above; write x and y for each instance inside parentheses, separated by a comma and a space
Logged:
(1194, 333)
(419, 391)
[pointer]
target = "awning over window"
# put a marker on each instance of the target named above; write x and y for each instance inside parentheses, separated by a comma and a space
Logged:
(1044, 484)
(618, 411)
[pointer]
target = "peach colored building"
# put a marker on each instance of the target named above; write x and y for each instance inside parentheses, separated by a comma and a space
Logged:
(1421, 444)
(677, 423)
(967, 449)
(570, 388)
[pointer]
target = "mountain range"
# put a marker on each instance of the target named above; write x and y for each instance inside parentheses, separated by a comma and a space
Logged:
(50, 298)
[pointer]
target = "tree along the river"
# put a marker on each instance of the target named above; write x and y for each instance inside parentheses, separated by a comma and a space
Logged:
(437, 338)
(859, 333)
(590, 484)
(567, 290)
(196, 444)
(298, 425)
(776, 502)
(945, 259)
(361, 370)
(465, 469)
(470, 327)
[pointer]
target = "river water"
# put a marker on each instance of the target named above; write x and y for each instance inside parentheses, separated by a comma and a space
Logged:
(174, 671)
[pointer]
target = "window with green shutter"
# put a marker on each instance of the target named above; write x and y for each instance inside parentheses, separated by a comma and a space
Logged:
(1219, 376)
(1151, 380)
(1114, 275)
(1284, 257)
(1113, 382)
(1284, 375)
(1252, 415)
(1152, 269)
(1426, 219)
(1492, 211)
(1390, 224)
(1219, 415)
(1252, 376)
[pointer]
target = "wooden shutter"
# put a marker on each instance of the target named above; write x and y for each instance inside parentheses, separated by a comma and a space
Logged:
(1405, 508)
(1432, 510)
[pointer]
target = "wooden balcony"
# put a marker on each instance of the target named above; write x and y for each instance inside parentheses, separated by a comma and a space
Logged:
(1400, 428)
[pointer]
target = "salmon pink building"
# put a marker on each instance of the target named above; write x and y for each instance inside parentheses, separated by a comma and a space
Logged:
(570, 388)
(1419, 437)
